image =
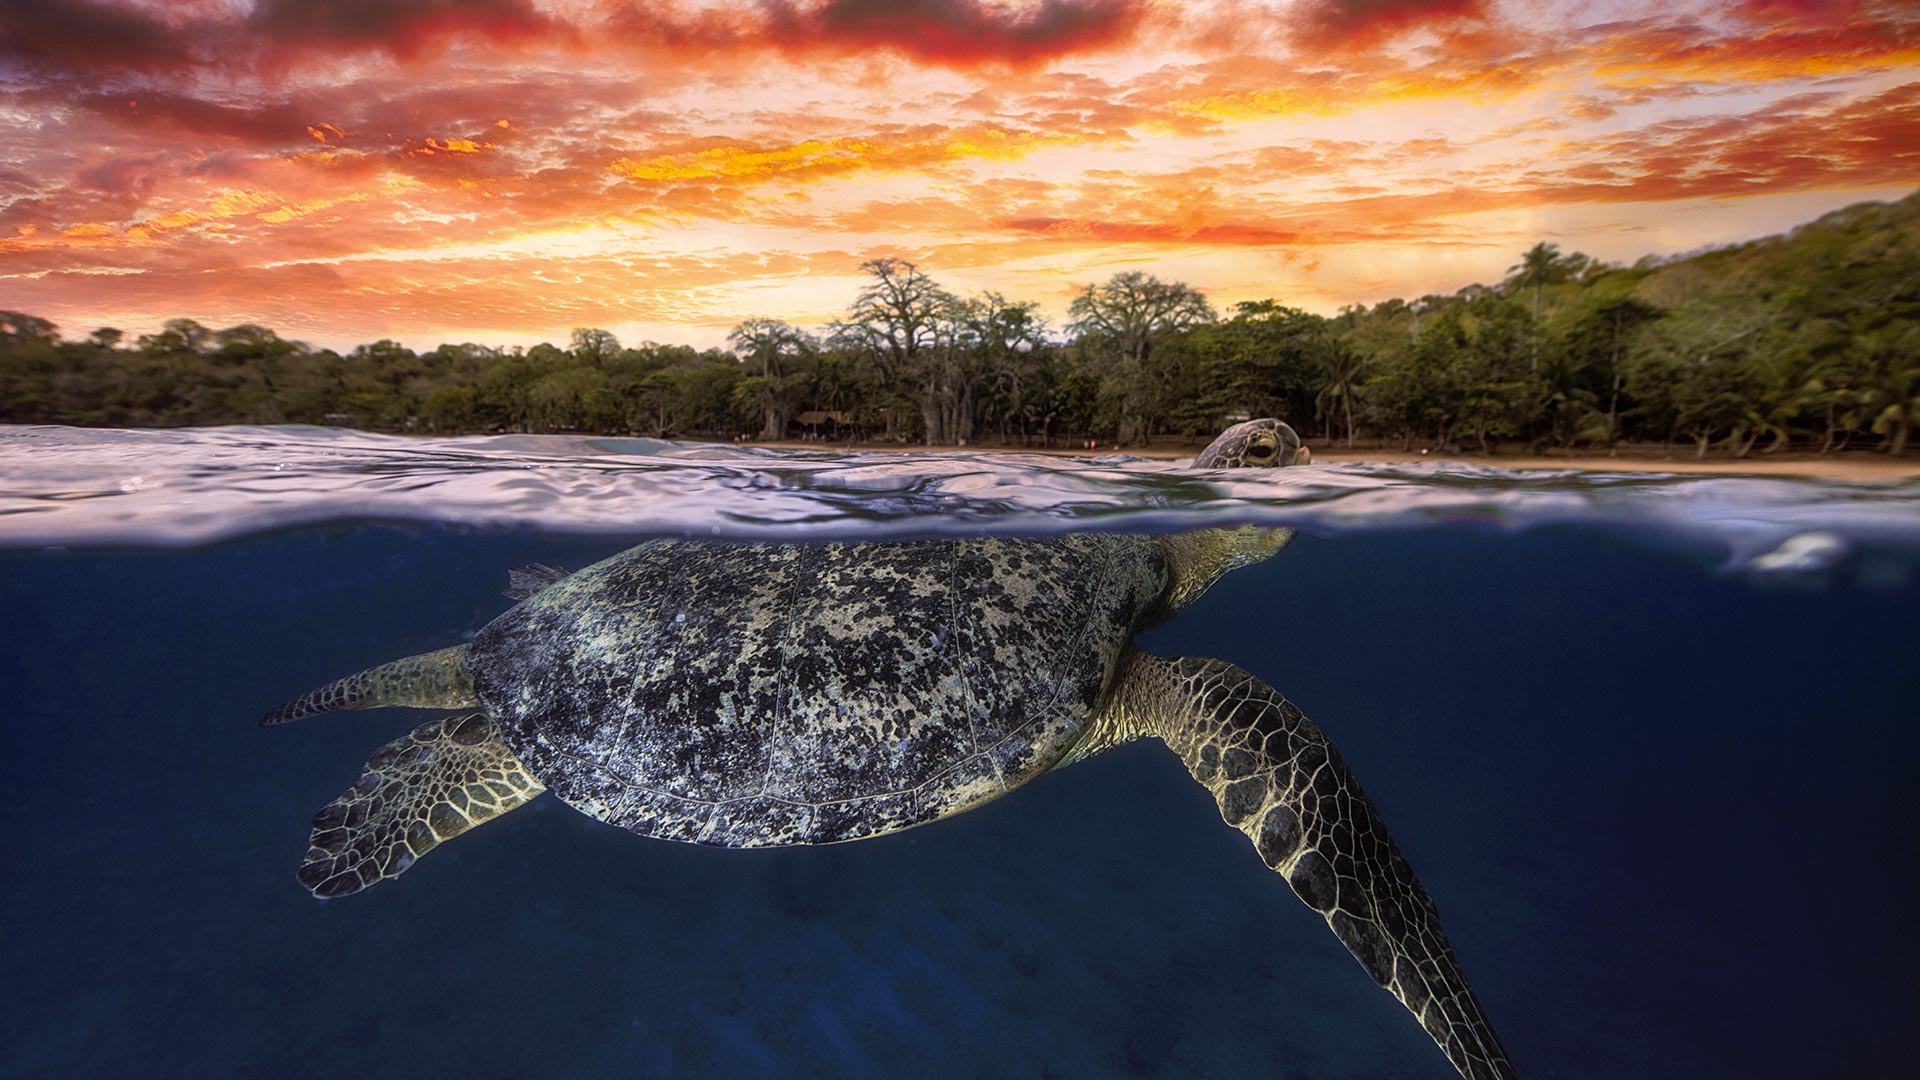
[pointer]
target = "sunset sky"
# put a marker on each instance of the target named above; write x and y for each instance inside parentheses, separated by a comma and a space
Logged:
(502, 171)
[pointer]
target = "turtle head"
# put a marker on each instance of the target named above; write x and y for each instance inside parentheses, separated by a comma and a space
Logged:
(1195, 560)
(1254, 444)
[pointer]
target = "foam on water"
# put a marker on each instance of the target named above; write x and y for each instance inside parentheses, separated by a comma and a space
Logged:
(89, 487)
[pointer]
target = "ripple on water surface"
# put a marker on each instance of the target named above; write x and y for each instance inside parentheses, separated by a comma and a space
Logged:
(74, 486)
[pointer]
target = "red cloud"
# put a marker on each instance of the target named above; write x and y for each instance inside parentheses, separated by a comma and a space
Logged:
(1334, 23)
(1797, 145)
(952, 33)
(97, 40)
(1797, 9)
(175, 115)
(961, 31)
(400, 26)
(65, 36)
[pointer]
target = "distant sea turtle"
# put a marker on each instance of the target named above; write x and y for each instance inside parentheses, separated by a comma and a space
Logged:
(748, 695)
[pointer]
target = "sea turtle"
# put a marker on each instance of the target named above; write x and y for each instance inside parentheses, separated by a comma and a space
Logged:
(747, 695)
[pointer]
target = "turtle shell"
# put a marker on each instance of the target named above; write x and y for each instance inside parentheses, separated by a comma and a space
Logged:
(759, 694)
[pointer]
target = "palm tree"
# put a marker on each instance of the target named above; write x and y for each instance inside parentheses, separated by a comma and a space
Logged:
(1542, 265)
(1345, 367)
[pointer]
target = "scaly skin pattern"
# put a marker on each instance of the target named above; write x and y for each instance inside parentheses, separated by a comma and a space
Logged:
(1278, 780)
(1255, 443)
(750, 695)
(435, 680)
(1197, 559)
(443, 778)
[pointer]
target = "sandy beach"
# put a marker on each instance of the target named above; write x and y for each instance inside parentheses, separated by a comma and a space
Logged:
(1868, 466)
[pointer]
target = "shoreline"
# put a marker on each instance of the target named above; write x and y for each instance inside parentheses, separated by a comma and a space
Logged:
(1852, 465)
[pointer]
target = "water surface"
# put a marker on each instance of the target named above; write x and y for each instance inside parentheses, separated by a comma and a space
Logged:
(1648, 740)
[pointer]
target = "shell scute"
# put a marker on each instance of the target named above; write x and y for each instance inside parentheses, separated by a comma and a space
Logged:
(757, 694)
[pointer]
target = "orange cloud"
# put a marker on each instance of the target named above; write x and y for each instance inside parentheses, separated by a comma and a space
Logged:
(430, 147)
(826, 157)
(452, 297)
(1819, 143)
(199, 157)
(218, 210)
(1795, 50)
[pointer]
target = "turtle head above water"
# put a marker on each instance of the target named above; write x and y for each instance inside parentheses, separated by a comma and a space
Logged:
(1198, 558)
(1260, 443)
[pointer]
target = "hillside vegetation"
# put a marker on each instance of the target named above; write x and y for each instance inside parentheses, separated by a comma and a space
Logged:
(1808, 340)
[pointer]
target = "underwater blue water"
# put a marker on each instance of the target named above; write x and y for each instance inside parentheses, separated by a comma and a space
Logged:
(1649, 742)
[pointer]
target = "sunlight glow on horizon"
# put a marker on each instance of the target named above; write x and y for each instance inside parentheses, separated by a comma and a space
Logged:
(502, 171)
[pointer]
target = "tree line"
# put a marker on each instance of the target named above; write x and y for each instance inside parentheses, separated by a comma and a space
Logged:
(1808, 340)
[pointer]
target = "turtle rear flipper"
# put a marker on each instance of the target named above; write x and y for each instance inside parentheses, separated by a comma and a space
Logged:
(1279, 780)
(435, 680)
(442, 779)
(524, 581)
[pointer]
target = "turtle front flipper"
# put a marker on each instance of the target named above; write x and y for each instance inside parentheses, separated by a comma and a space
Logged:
(1280, 781)
(439, 781)
(435, 680)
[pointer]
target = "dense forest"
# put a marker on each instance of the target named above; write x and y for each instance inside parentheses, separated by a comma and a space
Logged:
(1809, 340)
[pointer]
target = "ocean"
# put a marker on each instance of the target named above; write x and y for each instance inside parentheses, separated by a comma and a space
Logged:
(1648, 740)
